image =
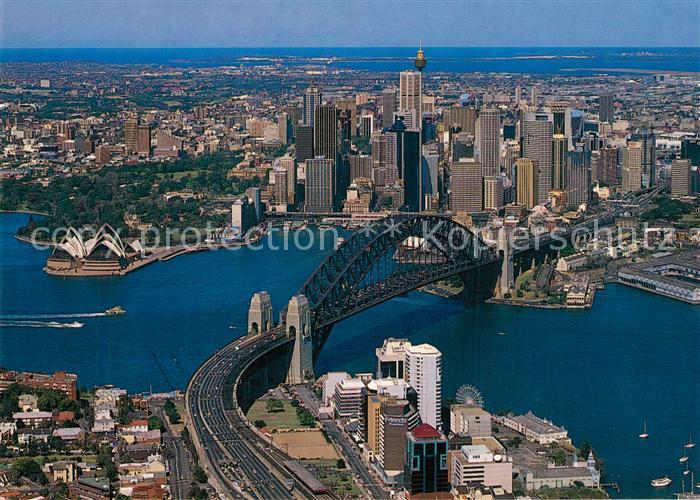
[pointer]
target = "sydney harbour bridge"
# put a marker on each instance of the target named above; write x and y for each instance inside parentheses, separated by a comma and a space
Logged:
(385, 259)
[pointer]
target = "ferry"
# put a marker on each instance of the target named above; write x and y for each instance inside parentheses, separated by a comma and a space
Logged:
(661, 482)
(115, 311)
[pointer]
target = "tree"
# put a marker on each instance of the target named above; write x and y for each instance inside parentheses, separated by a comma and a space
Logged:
(260, 424)
(154, 423)
(124, 407)
(584, 450)
(29, 469)
(515, 442)
(340, 464)
(198, 493)
(199, 475)
(559, 458)
(274, 405)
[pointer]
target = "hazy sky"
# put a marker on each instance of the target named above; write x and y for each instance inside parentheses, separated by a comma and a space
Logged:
(299, 23)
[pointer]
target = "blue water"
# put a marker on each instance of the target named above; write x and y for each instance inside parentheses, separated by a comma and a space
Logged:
(601, 373)
(452, 59)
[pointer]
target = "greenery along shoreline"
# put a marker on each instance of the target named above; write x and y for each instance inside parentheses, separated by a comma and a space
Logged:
(134, 193)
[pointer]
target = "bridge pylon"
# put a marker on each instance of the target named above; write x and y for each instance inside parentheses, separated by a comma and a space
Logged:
(260, 313)
(507, 277)
(298, 322)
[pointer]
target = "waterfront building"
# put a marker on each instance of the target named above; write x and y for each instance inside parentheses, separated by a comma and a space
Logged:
(423, 372)
(537, 146)
(425, 466)
(312, 99)
(470, 420)
(677, 277)
(320, 185)
(243, 215)
(466, 186)
(680, 178)
(563, 476)
(490, 141)
(606, 111)
(535, 428)
(481, 464)
(632, 155)
(58, 381)
(527, 178)
(391, 357)
(410, 88)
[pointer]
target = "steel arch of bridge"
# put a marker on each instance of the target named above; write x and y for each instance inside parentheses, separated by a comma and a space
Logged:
(351, 279)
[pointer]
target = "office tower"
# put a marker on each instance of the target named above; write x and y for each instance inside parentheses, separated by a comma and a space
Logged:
(493, 193)
(143, 140)
(466, 186)
(284, 128)
(578, 177)
(518, 95)
(408, 163)
(512, 153)
(632, 155)
(509, 131)
(281, 193)
(559, 150)
(533, 97)
(304, 142)
(462, 146)
(320, 185)
(490, 141)
(537, 146)
(690, 150)
(131, 134)
(295, 114)
(680, 178)
(429, 170)
(608, 159)
(388, 107)
(396, 418)
(326, 137)
(103, 154)
(606, 112)
(460, 117)
(480, 464)
(366, 126)
(360, 166)
(648, 141)
(425, 467)
(255, 198)
(289, 165)
(350, 108)
(410, 93)
(391, 357)
(423, 372)
(312, 100)
(384, 159)
(561, 122)
(526, 182)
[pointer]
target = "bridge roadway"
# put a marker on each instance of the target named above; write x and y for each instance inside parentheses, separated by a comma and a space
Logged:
(221, 434)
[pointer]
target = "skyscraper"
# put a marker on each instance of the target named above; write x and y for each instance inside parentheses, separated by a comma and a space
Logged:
(408, 163)
(388, 106)
(326, 139)
(143, 140)
(466, 186)
(559, 151)
(493, 193)
(423, 372)
(384, 161)
(312, 99)
(608, 158)
(410, 89)
(289, 165)
(131, 126)
(537, 146)
(462, 117)
(632, 166)
(648, 141)
(360, 166)
(490, 141)
(527, 178)
(304, 142)
(606, 112)
(320, 185)
(680, 177)
(578, 177)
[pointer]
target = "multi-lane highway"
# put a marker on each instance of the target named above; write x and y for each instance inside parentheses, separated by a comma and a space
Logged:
(239, 462)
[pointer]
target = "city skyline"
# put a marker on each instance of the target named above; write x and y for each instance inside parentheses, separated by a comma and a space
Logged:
(210, 24)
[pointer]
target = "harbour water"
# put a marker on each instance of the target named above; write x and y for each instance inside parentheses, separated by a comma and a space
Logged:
(600, 372)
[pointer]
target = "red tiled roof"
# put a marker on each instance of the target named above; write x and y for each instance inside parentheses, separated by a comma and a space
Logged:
(424, 431)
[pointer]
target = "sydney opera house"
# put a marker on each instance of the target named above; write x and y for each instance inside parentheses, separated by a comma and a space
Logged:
(104, 254)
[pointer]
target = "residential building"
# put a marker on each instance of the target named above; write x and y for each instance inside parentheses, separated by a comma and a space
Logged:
(423, 372)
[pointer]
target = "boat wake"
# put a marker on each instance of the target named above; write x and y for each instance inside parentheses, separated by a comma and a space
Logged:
(15, 317)
(39, 324)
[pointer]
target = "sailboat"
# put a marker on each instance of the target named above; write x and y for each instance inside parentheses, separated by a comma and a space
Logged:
(684, 458)
(644, 434)
(690, 443)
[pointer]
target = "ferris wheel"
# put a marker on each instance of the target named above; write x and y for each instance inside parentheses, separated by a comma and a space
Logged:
(469, 395)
